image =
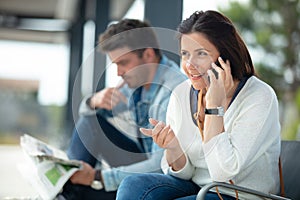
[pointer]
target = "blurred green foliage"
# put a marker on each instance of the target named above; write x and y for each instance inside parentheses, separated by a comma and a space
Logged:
(271, 29)
(21, 113)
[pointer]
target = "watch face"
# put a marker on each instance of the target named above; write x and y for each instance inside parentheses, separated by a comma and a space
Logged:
(97, 185)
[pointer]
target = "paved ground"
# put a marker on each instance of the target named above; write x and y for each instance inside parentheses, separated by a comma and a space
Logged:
(12, 183)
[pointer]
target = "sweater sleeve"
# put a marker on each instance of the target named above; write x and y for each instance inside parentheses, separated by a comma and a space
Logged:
(255, 128)
(185, 173)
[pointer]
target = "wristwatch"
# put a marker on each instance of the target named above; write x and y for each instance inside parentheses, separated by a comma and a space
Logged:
(97, 184)
(219, 111)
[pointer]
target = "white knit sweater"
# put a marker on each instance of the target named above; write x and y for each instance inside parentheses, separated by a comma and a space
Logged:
(246, 153)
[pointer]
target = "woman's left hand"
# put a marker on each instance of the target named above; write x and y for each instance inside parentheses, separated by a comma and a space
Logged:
(219, 89)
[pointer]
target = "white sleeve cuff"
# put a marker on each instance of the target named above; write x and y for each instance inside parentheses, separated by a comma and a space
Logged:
(185, 173)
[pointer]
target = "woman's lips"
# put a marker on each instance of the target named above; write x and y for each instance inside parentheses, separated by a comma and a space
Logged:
(196, 76)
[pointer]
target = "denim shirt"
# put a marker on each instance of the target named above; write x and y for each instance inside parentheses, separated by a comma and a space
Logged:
(154, 101)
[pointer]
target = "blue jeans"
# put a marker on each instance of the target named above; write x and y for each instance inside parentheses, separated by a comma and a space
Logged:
(161, 186)
(94, 137)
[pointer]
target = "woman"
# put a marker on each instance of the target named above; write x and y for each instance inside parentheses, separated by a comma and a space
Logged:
(222, 124)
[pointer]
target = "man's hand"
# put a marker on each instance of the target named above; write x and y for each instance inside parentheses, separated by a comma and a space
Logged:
(107, 98)
(84, 176)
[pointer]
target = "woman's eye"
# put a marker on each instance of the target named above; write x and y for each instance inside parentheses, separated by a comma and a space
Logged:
(184, 54)
(202, 53)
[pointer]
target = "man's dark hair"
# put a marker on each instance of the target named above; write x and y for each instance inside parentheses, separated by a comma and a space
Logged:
(132, 33)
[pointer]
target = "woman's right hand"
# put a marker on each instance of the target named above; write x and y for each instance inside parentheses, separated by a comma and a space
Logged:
(161, 134)
(164, 137)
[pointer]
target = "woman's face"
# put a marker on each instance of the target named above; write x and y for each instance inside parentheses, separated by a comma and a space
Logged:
(197, 55)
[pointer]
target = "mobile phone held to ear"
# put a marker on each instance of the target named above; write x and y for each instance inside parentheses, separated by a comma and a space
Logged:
(217, 63)
(214, 71)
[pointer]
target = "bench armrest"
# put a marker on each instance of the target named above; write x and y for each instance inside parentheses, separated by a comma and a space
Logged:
(207, 187)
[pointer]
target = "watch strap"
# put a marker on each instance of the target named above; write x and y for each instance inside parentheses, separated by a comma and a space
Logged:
(97, 183)
(98, 176)
(219, 111)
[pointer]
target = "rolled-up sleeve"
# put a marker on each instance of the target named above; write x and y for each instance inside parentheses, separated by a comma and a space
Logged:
(85, 109)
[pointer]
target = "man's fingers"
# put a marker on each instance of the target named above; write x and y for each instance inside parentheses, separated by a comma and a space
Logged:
(117, 96)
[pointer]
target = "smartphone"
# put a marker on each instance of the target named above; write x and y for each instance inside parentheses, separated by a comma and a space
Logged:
(214, 71)
(217, 63)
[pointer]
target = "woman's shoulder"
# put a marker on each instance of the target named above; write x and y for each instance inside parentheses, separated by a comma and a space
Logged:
(183, 86)
(256, 87)
(181, 92)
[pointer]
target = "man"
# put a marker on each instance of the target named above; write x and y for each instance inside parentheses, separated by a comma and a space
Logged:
(110, 119)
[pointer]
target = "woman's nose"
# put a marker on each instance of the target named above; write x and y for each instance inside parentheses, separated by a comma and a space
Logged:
(189, 64)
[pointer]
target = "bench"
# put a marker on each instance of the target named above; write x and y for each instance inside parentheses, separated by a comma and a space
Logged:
(290, 162)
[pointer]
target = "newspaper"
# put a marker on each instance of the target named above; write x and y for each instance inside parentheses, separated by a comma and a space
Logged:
(48, 168)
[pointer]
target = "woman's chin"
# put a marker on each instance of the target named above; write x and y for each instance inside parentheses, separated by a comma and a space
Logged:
(199, 85)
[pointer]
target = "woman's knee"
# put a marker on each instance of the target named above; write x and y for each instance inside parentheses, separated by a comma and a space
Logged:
(134, 182)
(135, 186)
(129, 187)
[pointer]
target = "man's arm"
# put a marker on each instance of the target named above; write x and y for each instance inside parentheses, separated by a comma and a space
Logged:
(111, 178)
